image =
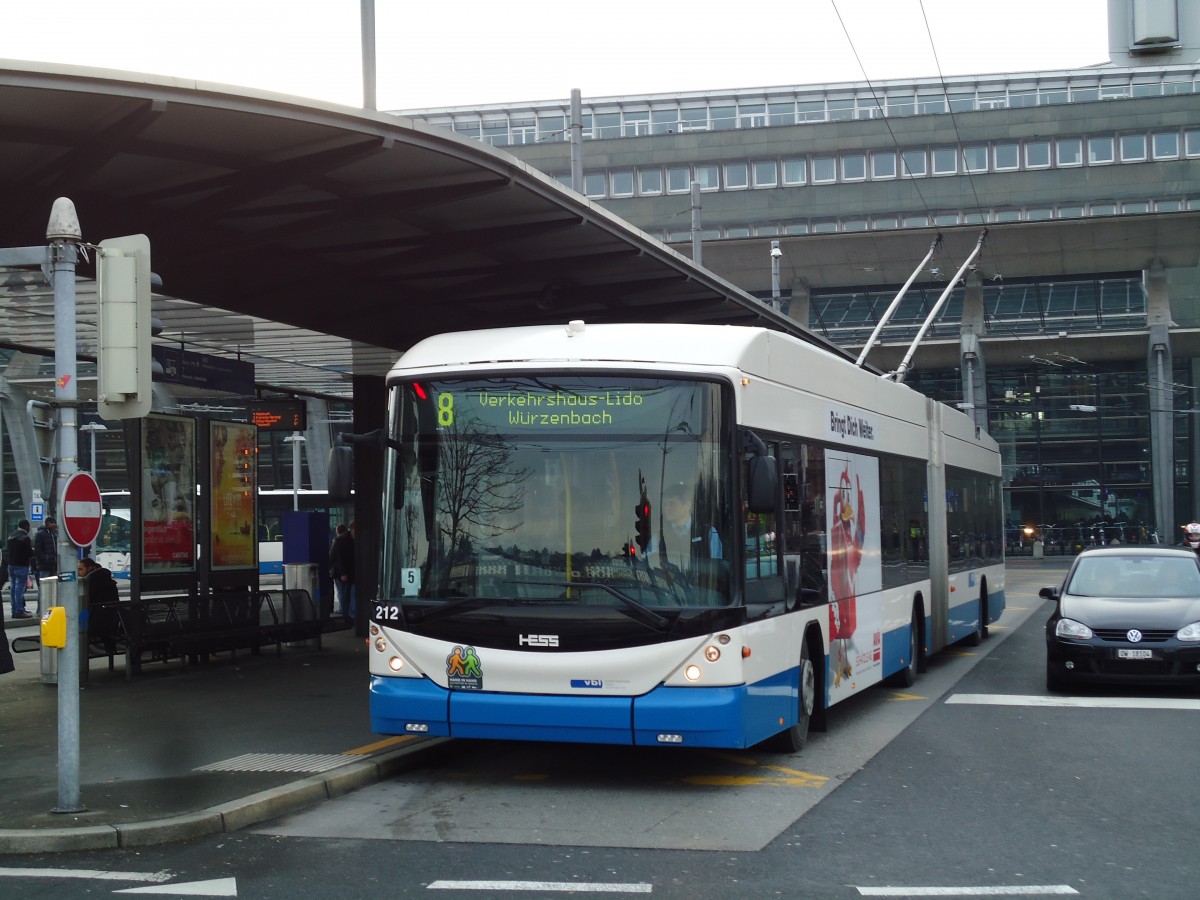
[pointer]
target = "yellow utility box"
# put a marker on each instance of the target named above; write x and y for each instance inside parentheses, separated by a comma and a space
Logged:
(54, 627)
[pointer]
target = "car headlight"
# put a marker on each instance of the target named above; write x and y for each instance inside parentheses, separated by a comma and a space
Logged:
(1069, 628)
(1189, 632)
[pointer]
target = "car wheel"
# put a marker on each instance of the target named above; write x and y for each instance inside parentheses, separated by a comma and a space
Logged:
(792, 740)
(1056, 681)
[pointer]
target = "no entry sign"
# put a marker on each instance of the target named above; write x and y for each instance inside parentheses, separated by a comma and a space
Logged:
(81, 509)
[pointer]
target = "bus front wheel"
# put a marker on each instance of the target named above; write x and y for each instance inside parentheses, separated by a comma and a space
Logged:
(793, 739)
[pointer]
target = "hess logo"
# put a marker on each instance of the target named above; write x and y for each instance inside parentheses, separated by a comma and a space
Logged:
(537, 640)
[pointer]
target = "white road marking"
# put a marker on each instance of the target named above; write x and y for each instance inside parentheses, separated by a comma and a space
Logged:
(997, 890)
(1076, 702)
(93, 874)
(580, 887)
(217, 887)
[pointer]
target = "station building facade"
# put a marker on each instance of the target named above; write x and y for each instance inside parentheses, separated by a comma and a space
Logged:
(1073, 336)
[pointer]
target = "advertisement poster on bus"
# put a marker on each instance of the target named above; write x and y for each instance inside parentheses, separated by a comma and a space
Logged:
(168, 494)
(234, 459)
(855, 572)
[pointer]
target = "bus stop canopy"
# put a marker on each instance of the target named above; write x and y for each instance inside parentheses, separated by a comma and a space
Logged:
(314, 240)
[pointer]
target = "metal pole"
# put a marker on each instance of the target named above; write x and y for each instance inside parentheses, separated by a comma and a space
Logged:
(697, 255)
(295, 439)
(63, 234)
(576, 135)
(776, 253)
(368, 53)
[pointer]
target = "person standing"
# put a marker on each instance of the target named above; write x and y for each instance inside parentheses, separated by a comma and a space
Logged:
(342, 554)
(20, 555)
(45, 549)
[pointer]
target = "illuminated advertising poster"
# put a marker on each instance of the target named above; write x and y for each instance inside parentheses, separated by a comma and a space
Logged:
(168, 494)
(234, 537)
(855, 572)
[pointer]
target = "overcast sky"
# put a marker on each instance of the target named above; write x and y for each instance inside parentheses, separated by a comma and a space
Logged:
(470, 52)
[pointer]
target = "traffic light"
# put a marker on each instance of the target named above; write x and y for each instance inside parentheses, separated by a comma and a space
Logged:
(642, 524)
(123, 364)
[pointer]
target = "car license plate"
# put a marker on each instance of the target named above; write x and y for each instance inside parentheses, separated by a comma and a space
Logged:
(1135, 654)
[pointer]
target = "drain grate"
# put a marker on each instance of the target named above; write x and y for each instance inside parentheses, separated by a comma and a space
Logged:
(279, 762)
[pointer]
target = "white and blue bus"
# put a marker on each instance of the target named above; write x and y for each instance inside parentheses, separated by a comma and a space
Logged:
(667, 535)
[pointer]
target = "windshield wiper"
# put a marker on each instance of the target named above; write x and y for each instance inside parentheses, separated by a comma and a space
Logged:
(643, 612)
(448, 608)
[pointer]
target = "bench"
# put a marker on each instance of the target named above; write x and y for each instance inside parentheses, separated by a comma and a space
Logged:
(163, 628)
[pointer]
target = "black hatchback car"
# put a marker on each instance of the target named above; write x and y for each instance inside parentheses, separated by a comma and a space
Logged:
(1126, 614)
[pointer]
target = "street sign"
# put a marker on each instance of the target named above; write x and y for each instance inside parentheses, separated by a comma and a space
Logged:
(81, 509)
(37, 511)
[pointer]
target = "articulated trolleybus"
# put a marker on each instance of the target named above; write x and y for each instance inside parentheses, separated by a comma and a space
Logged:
(667, 535)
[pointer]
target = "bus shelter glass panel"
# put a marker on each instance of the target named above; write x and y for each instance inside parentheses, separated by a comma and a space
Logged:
(603, 490)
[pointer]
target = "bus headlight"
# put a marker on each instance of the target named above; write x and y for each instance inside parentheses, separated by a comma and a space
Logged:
(395, 664)
(692, 672)
(381, 644)
(711, 653)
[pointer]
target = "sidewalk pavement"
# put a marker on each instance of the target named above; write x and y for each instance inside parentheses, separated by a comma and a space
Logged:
(178, 753)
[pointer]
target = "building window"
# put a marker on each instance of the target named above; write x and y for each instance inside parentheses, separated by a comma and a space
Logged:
(740, 231)
(593, 184)
(1133, 147)
(1039, 214)
(796, 228)
(854, 225)
(708, 176)
(1100, 150)
(914, 163)
(1168, 205)
(724, 118)
(496, 133)
(679, 179)
(974, 218)
(945, 160)
(1006, 215)
(885, 223)
(1166, 144)
(606, 125)
(1102, 209)
(621, 183)
(824, 226)
(782, 113)
(931, 103)
(1084, 95)
(975, 159)
(944, 220)
(916, 221)
(854, 167)
(664, 121)
(1191, 142)
(650, 181)
(737, 176)
(694, 119)
(794, 171)
(824, 169)
(752, 115)
(766, 174)
(841, 111)
(766, 230)
(810, 111)
(1006, 156)
(552, 128)
(883, 165)
(1037, 155)
(636, 124)
(1069, 151)
(1140, 206)
(901, 106)
(1070, 212)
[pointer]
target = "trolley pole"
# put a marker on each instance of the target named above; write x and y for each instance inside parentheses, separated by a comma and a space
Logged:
(64, 235)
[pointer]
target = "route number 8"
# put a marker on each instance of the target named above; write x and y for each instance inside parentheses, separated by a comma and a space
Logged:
(445, 407)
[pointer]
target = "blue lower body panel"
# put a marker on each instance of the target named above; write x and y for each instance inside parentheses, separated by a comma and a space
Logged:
(731, 717)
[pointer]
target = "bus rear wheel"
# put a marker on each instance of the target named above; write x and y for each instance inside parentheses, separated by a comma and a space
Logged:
(793, 739)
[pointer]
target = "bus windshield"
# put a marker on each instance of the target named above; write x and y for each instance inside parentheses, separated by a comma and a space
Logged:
(598, 490)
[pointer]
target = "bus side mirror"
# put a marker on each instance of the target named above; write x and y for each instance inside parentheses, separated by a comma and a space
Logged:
(762, 484)
(341, 472)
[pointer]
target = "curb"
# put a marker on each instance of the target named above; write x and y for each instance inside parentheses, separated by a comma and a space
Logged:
(224, 817)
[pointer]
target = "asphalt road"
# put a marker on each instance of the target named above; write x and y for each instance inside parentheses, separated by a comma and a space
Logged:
(974, 783)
